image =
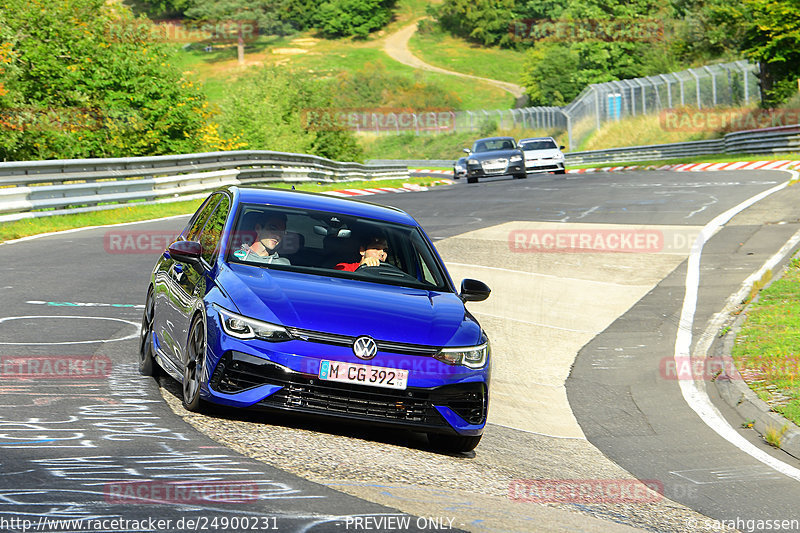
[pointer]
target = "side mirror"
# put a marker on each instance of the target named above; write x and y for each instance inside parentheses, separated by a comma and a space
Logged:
(561, 147)
(186, 251)
(466, 151)
(473, 290)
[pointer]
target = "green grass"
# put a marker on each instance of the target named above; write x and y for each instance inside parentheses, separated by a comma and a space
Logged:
(134, 212)
(441, 146)
(767, 347)
(324, 58)
(451, 53)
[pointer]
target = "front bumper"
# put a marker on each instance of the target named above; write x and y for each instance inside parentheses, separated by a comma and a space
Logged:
(543, 165)
(245, 380)
(511, 168)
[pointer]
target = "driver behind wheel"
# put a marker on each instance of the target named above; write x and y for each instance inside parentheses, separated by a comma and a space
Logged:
(373, 252)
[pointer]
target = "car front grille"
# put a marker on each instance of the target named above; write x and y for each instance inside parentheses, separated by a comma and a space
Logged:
(494, 166)
(346, 340)
(237, 372)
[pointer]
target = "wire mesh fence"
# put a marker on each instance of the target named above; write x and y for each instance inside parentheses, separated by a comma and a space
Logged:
(725, 84)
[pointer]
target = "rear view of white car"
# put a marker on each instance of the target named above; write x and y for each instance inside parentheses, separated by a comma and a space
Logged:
(542, 154)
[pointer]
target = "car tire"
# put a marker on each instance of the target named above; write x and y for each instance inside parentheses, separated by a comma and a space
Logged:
(472, 180)
(193, 365)
(521, 176)
(147, 364)
(562, 171)
(453, 443)
(455, 175)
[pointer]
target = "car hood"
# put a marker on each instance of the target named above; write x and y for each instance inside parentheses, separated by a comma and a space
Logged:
(537, 154)
(349, 307)
(494, 154)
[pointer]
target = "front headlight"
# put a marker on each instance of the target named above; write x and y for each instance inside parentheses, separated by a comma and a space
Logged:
(515, 158)
(469, 356)
(472, 162)
(560, 156)
(242, 327)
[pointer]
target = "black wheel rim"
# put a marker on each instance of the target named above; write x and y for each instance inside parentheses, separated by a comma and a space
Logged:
(147, 328)
(193, 367)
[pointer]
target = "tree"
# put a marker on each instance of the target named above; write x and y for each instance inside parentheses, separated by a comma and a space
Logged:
(352, 18)
(270, 110)
(764, 31)
(243, 17)
(772, 37)
(485, 21)
(83, 79)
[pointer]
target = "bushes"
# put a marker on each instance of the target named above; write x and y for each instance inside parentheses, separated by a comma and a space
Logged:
(81, 80)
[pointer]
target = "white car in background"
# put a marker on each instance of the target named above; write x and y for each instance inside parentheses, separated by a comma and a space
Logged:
(542, 154)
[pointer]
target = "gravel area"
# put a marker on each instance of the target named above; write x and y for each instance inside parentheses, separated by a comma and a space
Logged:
(399, 469)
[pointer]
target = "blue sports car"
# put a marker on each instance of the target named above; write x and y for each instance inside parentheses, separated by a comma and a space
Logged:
(302, 302)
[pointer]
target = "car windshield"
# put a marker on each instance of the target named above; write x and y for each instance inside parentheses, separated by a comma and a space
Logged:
(488, 145)
(539, 144)
(327, 244)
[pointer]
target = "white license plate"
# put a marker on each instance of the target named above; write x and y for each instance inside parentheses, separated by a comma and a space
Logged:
(375, 376)
(494, 166)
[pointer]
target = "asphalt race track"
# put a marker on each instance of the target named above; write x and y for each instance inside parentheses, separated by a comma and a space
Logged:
(580, 391)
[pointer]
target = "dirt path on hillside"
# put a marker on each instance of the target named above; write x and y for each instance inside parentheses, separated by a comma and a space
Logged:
(396, 46)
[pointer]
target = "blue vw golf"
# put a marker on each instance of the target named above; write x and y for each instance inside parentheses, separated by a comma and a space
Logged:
(326, 306)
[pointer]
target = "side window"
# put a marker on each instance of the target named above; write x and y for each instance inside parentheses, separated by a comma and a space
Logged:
(200, 219)
(211, 235)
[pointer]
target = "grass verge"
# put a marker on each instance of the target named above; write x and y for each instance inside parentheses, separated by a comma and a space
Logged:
(766, 350)
(444, 51)
(134, 213)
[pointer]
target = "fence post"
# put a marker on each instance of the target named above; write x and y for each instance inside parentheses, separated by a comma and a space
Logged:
(569, 131)
(745, 71)
(596, 105)
(697, 88)
(669, 90)
(713, 85)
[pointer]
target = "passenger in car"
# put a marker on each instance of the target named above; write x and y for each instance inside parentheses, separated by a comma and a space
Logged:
(373, 252)
(269, 234)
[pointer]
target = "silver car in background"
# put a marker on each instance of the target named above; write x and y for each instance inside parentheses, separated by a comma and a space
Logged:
(542, 154)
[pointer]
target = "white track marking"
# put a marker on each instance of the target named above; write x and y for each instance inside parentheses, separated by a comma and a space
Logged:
(695, 395)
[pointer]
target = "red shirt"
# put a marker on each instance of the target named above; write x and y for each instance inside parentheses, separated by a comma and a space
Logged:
(347, 267)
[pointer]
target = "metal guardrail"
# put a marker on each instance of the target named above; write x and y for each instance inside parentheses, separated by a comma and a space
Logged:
(653, 152)
(43, 188)
(779, 140)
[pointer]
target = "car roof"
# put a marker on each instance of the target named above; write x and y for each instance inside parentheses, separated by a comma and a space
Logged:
(537, 139)
(321, 202)
(495, 139)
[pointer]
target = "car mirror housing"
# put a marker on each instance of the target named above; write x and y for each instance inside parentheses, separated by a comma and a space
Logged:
(473, 290)
(466, 151)
(561, 147)
(186, 251)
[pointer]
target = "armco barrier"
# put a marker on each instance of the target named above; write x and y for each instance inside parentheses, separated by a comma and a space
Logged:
(779, 140)
(43, 188)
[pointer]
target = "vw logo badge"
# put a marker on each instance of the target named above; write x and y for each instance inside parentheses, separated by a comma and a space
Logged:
(365, 348)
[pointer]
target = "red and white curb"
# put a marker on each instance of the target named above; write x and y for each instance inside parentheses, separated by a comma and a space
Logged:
(700, 167)
(407, 187)
(428, 171)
